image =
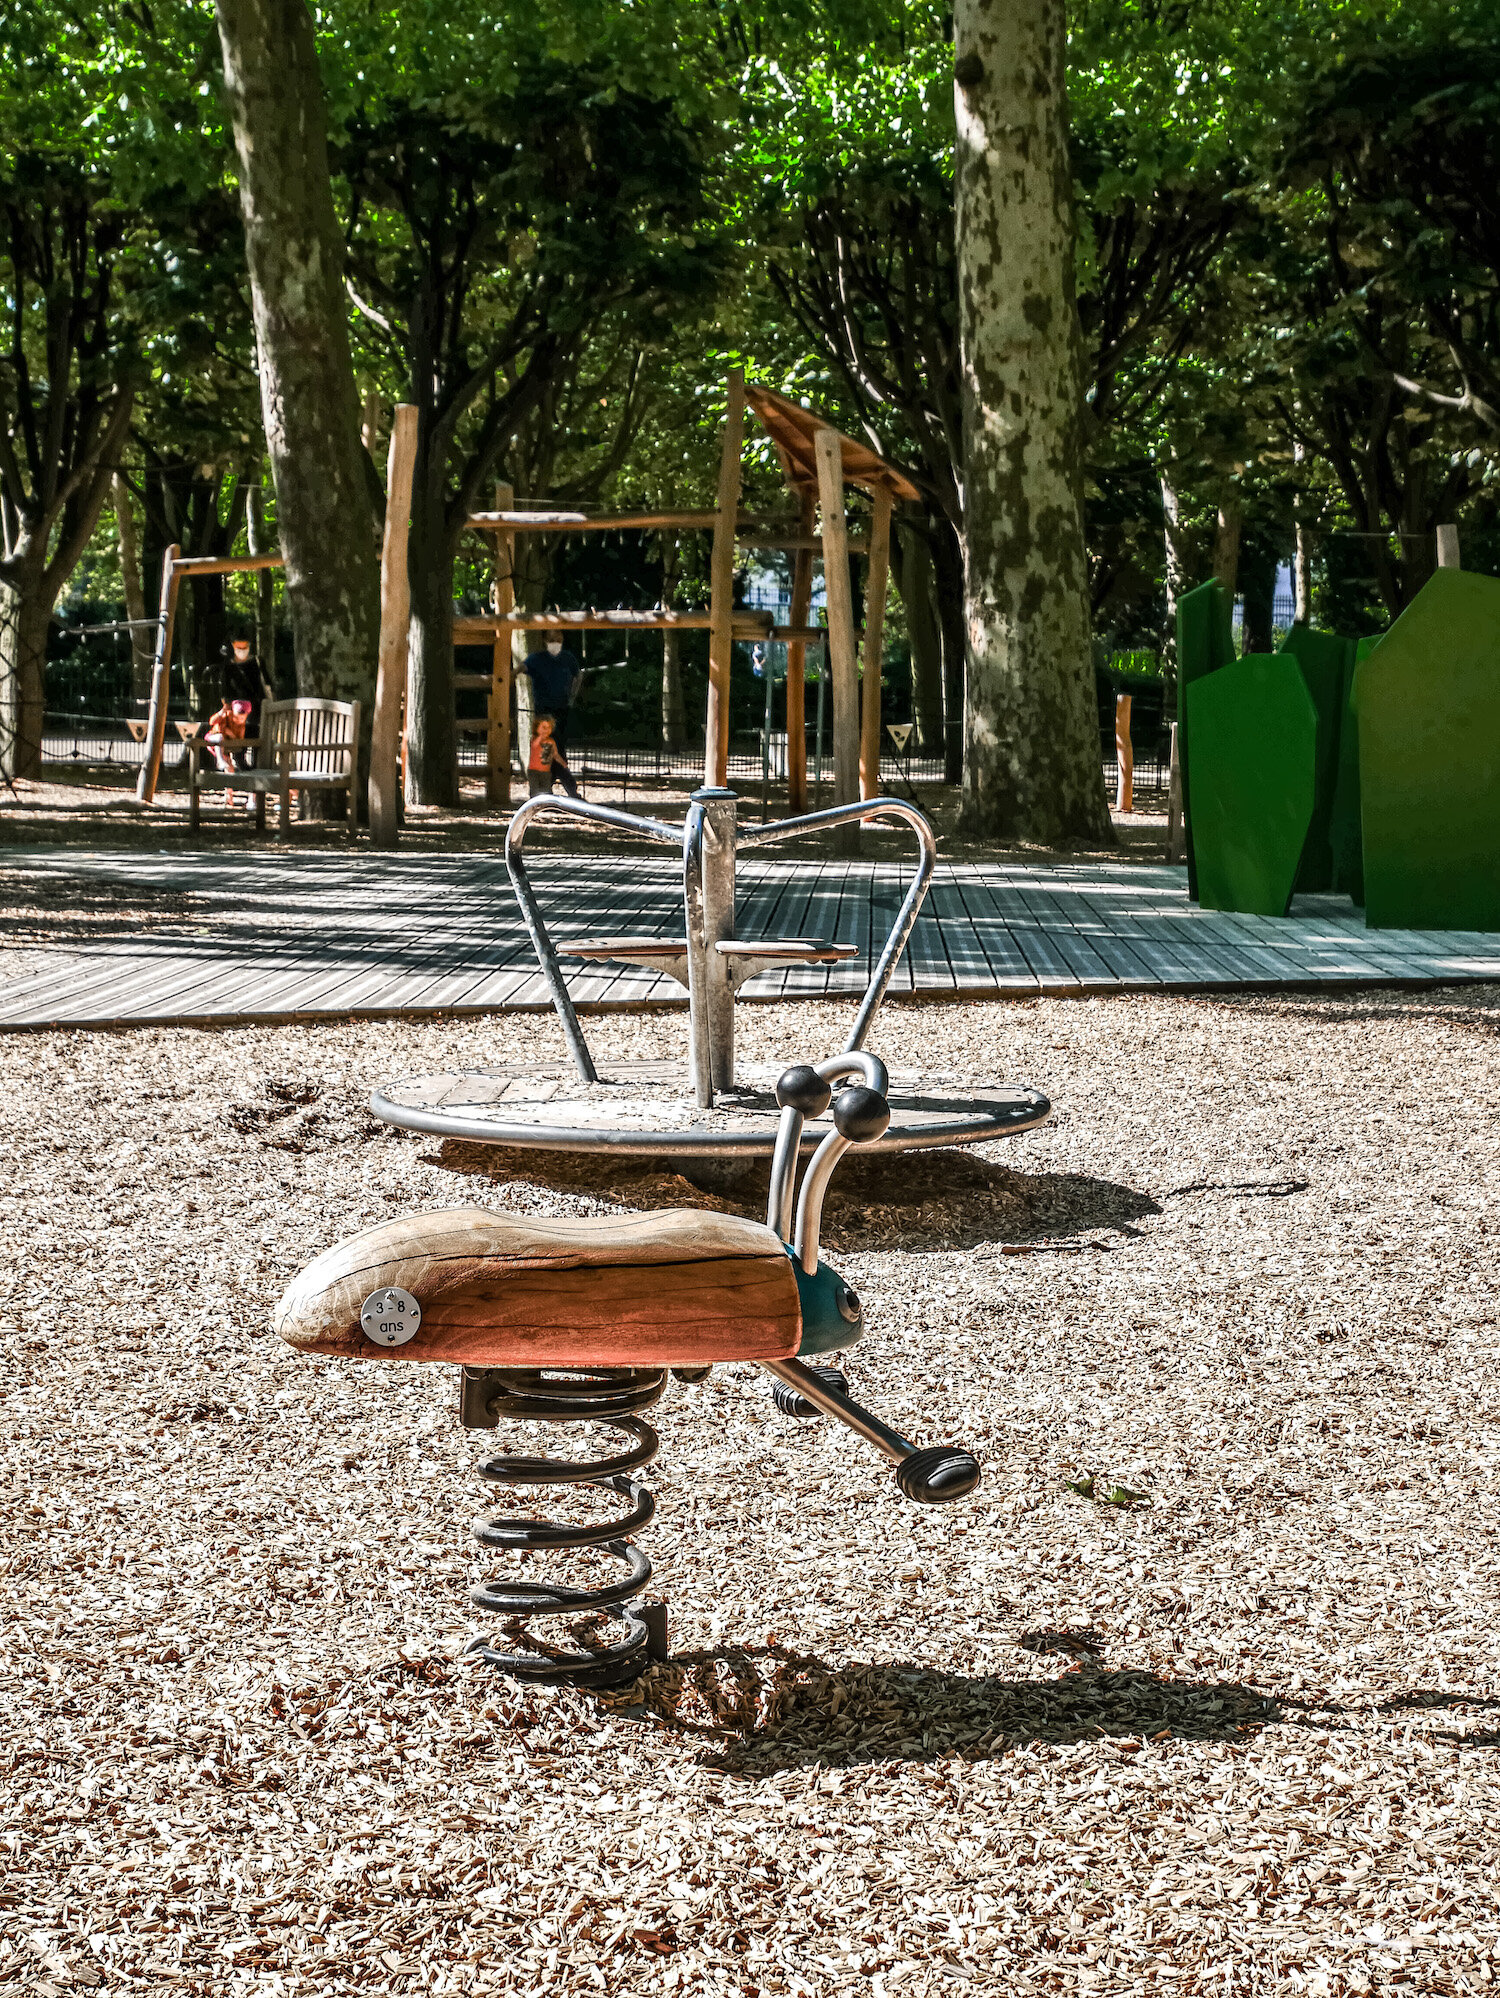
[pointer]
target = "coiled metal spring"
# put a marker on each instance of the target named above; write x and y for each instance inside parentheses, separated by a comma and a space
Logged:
(614, 1397)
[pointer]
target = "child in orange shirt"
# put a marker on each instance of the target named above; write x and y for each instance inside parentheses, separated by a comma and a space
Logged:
(547, 765)
(223, 729)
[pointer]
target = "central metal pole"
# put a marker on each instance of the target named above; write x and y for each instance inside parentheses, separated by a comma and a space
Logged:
(718, 927)
(709, 843)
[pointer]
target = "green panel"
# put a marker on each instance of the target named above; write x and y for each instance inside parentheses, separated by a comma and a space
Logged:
(1343, 832)
(1326, 662)
(1428, 701)
(1205, 642)
(1255, 743)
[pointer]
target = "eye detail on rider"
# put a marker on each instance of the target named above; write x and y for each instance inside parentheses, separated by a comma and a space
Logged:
(849, 1305)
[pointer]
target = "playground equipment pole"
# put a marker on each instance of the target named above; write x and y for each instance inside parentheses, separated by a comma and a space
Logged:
(796, 662)
(874, 645)
(721, 589)
(395, 624)
(145, 788)
(840, 642)
(497, 736)
(1124, 756)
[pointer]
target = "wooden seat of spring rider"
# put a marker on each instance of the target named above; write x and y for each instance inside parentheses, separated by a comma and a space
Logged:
(681, 1287)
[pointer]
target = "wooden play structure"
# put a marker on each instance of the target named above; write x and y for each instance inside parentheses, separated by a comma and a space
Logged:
(818, 461)
(177, 567)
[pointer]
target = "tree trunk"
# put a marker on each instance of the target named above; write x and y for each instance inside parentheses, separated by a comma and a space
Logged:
(141, 648)
(311, 411)
(673, 710)
(948, 577)
(915, 583)
(1258, 589)
(1031, 730)
(1227, 539)
(25, 609)
(1179, 574)
(431, 734)
(1302, 569)
(265, 591)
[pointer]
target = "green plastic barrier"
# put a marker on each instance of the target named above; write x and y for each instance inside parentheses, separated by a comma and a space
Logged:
(1255, 733)
(1205, 642)
(1327, 662)
(1428, 701)
(1344, 831)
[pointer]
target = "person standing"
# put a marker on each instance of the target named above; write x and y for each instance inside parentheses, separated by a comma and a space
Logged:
(555, 675)
(547, 765)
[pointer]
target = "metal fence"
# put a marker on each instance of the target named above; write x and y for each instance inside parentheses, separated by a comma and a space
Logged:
(91, 741)
(608, 769)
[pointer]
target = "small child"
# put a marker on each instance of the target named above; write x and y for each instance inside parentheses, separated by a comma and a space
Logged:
(223, 728)
(548, 765)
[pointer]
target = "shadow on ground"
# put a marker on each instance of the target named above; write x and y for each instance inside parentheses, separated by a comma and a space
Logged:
(923, 1200)
(760, 1710)
(57, 909)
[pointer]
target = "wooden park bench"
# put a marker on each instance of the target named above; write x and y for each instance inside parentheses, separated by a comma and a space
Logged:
(303, 745)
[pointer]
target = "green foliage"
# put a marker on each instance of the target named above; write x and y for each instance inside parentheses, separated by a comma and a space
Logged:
(567, 219)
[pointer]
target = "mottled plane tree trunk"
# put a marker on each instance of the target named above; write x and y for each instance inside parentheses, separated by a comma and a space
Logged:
(294, 250)
(1031, 748)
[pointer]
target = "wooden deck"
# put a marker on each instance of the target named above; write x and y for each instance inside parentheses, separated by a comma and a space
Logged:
(312, 935)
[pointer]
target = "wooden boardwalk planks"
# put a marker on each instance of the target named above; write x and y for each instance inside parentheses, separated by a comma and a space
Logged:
(308, 936)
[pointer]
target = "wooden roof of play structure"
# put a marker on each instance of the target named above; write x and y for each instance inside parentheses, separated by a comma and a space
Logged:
(793, 429)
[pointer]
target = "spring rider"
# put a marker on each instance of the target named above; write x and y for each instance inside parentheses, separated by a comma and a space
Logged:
(580, 1322)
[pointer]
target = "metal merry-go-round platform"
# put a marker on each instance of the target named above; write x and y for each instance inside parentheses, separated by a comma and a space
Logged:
(717, 1109)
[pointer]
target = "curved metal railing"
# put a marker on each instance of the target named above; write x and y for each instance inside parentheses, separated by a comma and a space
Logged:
(520, 880)
(916, 895)
(705, 998)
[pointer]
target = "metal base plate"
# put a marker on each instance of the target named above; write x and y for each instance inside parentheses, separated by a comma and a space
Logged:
(648, 1107)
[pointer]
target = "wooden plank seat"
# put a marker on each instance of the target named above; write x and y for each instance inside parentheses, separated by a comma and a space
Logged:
(747, 958)
(306, 744)
(676, 1288)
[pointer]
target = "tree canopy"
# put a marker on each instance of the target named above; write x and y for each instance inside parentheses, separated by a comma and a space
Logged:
(562, 222)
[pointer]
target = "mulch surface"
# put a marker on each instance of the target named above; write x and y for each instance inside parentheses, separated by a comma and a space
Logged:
(1198, 1692)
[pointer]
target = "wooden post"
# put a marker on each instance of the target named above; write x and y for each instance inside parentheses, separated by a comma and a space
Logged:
(161, 674)
(876, 586)
(497, 737)
(843, 676)
(395, 623)
(1124, 756)
(721, 589)
(1447, 544)
(796, 669)
(1174, 803)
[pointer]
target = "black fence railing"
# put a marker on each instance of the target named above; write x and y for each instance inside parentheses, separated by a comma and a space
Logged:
(91, 740)
(608, 769)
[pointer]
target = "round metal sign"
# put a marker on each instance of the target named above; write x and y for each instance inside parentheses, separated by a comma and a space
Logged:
(390, 1317)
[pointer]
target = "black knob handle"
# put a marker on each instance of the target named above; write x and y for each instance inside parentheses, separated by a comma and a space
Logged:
(802, 1088)
(860, 1114)
(789, 1402)
(938, 1475)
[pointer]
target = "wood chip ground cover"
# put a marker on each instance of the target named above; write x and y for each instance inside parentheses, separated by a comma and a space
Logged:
(1238, 1734)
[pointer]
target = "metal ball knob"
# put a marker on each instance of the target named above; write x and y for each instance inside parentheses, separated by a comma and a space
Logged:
(860, 1114)
(802, 1088)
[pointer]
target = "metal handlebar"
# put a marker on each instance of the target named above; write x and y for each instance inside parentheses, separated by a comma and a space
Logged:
(916, 895)
(708, 906)
(541, 942)
(830, 1151)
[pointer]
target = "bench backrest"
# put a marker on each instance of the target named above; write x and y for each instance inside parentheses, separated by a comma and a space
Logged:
(322, 732)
